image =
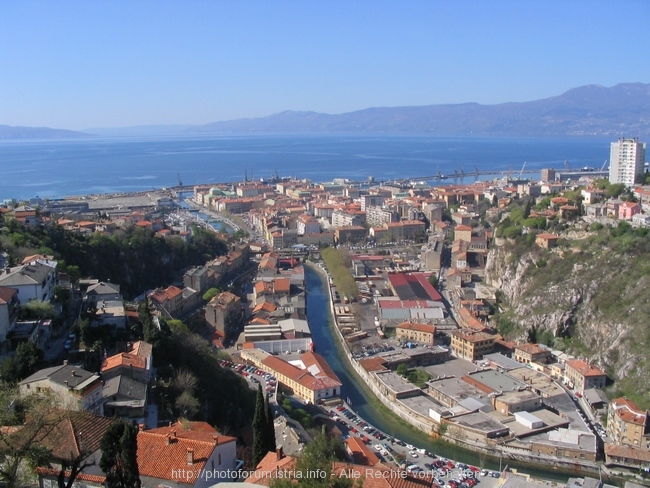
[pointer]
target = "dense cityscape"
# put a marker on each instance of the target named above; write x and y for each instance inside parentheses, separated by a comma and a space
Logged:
(192, 330)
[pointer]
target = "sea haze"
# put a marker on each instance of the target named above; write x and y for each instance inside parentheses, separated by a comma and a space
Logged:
(56, 168)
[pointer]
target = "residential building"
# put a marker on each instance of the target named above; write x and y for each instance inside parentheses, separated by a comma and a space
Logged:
(198, 278)
(135, 364)
(223, 311)
(582, 376)
(627, 424)
(546, 241)
(125, 398)
(185, 447)
(627, 210)
(74, 387)
(103, 291)
(626, 161)
(77, 436)
(34, 281)
(378, 216)
(110, 313)
(168, 300)
(350, 234)
(471, 345)
(414, 332)
(9, 306)
(531, 353)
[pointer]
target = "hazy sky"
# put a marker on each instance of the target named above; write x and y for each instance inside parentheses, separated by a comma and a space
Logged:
(80, 64)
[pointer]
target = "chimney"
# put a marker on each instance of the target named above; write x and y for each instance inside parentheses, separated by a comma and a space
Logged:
(279, 454)
(215, 438)
(65, 362)
(190, 456)
(73, 373)
(169, 439)
(140, 427)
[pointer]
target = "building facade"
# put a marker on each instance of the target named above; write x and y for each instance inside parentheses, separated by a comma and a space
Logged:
(626, 161)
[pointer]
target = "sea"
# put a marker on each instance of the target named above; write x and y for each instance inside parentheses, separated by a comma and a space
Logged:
(59, 168)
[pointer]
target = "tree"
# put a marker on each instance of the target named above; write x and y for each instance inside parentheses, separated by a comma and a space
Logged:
(314, 466)
(259, 428)
(402, 369)
(433, 279)
(119, 456)
(149, 329)
(38, 309)
(22, 364)
(270, 427)
(34, 418)
(211, 293)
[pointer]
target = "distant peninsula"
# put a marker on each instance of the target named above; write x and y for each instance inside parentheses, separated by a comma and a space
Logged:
(10, 132)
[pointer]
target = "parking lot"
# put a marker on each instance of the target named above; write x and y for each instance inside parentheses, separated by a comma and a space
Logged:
(443, 471)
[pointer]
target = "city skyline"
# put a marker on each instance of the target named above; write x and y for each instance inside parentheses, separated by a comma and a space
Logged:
(76, 65)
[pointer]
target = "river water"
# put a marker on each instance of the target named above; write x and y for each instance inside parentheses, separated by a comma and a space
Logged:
(364, 402)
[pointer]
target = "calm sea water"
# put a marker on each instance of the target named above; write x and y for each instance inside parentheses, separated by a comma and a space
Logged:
(56, 168)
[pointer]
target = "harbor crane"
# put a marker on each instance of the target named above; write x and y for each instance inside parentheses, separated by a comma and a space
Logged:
(602, 168)
(522, 170)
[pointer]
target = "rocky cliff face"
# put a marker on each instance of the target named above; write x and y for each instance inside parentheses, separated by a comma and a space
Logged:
(598, 301)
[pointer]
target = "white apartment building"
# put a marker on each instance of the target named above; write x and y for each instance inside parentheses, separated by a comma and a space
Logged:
(626, 161)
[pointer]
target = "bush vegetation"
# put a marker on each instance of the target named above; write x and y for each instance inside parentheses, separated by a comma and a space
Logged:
(340, 272)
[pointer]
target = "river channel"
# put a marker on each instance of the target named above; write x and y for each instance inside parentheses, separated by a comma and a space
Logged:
(366, 404)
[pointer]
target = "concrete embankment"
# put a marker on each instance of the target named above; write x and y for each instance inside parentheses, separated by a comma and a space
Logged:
(475, 452)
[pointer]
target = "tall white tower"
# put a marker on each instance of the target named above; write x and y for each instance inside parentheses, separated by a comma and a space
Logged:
(626, 161)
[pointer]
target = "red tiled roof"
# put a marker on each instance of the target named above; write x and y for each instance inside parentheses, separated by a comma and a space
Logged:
(198, 431)
(628, 411)
(584, 369)
(418, 327)
(281, 285)
(360, 452)
(373, 364)
(160, 455)
(124, 359)
(6, 294)
(627, 452)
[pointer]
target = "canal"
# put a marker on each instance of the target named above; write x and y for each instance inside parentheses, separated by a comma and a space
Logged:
(366, 404)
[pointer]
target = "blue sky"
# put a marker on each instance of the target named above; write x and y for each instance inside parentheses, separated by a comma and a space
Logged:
(80, 64)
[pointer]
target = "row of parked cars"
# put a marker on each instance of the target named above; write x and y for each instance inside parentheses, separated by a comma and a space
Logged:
(441, 468)
(251, 372)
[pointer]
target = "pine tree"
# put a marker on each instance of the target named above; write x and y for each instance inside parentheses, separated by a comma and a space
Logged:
(119, 456)
(260, 435)
(270, 427)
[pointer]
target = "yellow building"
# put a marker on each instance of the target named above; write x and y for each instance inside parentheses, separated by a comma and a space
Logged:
(410, 331)
(627, 424)
(471, 345)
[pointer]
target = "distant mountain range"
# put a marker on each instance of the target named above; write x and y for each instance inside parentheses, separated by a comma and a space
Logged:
(587, 111)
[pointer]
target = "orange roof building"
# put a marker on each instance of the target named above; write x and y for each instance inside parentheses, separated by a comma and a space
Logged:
(582, 376)
(627, 424)
(414, 332)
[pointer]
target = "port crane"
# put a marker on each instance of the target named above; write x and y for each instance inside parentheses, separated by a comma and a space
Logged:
(522, 170)
(180, 183)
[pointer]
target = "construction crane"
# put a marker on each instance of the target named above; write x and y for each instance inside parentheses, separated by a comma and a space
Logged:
(602, 168)
(522, 170)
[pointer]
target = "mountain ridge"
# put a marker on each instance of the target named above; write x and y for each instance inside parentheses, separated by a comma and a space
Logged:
(587, 111)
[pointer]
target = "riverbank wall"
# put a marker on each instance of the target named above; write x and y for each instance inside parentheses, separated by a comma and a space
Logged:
(447, 431)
